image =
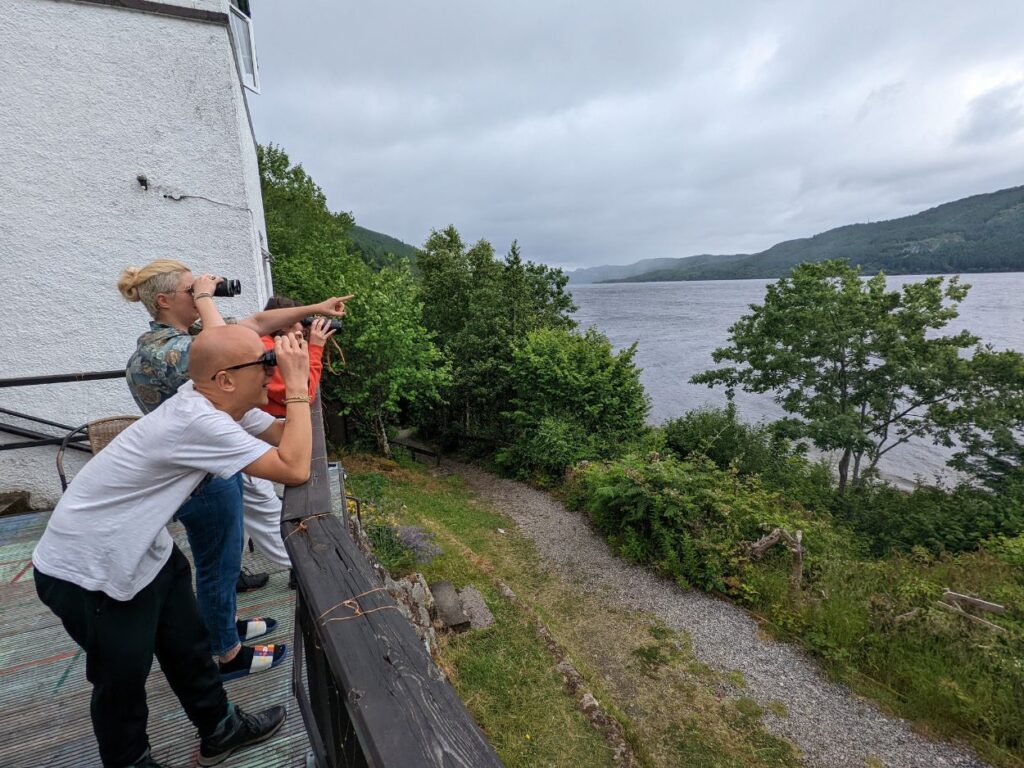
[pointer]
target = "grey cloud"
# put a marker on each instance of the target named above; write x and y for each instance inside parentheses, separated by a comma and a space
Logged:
(606, 133)
(994, 115)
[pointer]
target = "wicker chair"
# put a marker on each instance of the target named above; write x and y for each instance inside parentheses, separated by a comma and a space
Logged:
(99, 434)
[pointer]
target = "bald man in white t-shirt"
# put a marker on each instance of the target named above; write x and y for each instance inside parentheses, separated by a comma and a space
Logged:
(108, 568)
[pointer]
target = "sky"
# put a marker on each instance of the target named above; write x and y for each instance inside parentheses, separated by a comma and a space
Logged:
(604, 133)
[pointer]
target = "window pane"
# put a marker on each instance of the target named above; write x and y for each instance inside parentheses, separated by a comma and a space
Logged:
(241, 31)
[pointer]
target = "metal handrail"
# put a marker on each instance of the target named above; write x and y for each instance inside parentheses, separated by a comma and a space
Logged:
(61, 378)
(40, 439)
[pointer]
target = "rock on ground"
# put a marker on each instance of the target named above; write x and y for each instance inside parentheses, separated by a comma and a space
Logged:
(480, 616)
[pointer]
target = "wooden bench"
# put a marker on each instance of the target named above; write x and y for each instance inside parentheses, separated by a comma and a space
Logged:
(419, 449)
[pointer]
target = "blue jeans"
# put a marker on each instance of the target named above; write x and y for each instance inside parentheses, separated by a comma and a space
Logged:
(213, 522)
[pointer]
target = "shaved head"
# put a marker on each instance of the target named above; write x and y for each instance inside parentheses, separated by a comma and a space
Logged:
(215, 349)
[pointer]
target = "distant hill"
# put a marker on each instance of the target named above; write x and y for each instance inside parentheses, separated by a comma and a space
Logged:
(374, 247)
(983, 233)
(616, 273)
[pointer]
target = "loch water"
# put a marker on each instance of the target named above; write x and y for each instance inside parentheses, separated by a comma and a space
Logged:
(678, 325)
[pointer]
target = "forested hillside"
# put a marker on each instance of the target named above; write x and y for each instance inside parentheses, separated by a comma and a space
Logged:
(377, 248)
(983, 233)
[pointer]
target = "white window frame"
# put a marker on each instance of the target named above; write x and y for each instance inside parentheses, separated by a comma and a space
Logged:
(237, 17)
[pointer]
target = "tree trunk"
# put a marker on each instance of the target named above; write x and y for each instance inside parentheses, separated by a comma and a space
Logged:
(856, 468)
(844, 470)
(381, 433)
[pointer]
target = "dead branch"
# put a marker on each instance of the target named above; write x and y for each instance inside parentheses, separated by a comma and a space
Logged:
(966, 601)
(904, 617)
(794, 543)
(964, 614)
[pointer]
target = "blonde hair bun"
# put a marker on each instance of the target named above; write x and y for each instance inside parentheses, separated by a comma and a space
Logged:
(128, 284)
(146, 283)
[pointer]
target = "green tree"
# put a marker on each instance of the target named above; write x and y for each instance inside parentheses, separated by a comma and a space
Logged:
(987, 424)
(572, 398)
(860, 369)
(295, 208)
(390, 358)
(481, 307)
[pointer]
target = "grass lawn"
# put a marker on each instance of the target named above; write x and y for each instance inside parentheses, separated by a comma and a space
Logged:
(674, 710)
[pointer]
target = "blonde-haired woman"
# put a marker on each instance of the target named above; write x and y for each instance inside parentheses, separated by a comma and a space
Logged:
(212, 517)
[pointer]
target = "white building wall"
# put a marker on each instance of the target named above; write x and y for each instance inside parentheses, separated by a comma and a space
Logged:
(91, 97)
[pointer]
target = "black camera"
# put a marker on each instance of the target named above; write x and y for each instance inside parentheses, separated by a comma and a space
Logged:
(228, 287)
(332, 325)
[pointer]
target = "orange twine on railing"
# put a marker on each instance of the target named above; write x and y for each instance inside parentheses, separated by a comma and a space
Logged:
(353, 606)
(302, 523)
(350, 603)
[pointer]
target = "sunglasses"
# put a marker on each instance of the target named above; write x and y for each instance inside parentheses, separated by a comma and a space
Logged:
(268, 360)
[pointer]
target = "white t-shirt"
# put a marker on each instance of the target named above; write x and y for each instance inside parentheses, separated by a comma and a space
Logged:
(108, 532)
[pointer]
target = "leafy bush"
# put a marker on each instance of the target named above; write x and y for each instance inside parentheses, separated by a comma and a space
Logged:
(718, 434)
(689, 519)
(938, 520)
(545, 451)
(572, 398)
(752, 449)
(1008, 550)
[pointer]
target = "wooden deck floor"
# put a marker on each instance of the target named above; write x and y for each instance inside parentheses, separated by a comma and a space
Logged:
(44, 696)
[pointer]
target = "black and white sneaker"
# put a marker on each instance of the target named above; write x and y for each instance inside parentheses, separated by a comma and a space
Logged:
(249, 581)
(238, 730)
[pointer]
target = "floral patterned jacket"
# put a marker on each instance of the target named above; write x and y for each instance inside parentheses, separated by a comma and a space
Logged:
(159, 365)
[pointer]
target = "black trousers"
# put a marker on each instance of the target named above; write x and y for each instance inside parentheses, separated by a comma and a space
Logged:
(120, 639)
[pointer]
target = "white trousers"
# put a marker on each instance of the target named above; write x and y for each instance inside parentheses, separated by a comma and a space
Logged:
(262, 518)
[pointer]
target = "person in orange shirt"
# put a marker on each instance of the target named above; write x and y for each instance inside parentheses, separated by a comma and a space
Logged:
(319, 333)
(261, 506)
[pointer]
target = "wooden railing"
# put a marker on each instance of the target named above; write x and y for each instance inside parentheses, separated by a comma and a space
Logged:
(368, 691)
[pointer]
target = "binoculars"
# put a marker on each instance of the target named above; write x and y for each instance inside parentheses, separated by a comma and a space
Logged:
(228, 287)
(332, 325)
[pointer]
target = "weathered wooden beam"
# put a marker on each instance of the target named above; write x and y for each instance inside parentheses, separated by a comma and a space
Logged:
(403, 711)
(794, 543)
(363, 654)
(314, 496)
(419, 448)
(962, 601)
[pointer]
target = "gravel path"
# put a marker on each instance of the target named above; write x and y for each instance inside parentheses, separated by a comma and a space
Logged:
(834, 727)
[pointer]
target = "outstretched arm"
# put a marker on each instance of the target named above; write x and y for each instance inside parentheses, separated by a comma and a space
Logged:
(270, 320)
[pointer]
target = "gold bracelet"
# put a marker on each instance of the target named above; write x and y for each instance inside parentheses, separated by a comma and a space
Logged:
(202, 296)
(299, 399)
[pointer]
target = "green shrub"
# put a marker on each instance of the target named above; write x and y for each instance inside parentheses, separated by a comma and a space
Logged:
(1008, 550)
(689, 519)
(938, 520)
(752, 449)
(722, 437)
(543, 453)
(573, 397)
